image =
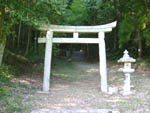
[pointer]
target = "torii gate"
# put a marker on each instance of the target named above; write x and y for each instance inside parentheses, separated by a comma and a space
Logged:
(49, 40)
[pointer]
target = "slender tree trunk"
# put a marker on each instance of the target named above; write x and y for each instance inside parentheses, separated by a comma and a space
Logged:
(115, 41)
(116, 3)
(88, 52)
(2, 33)
(14, 38)
(71, 51)
(22, 43)
(19, 32)
(35, 41)
(36, 48)
(139, 45)
(28, 42)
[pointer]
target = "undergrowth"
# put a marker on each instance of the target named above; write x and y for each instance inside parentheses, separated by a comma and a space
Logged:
(11, 93)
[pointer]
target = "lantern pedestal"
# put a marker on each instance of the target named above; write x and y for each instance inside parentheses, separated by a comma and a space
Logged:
(127, 81)
(126, 59)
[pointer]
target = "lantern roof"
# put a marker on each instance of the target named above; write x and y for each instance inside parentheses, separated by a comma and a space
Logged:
(126, 58)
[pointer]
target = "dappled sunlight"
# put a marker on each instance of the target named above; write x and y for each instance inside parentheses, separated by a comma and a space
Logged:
(114, 78)
(60, 87)
(75, 100)
(61, 106)
(25, 81)
(115, 67)
(116, 81)
(92, 70)
(116, 100)
(56, 107)
(60, 74)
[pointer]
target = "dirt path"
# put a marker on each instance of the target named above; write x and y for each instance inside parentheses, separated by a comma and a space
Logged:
(72, 94)
(76, 85)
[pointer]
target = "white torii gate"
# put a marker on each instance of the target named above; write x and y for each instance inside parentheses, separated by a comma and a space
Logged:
(49, 40)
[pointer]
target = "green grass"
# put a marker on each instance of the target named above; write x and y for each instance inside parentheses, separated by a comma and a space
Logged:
(65, 70)
(69, 70)
(132, 104)
(12, 99)
(12, 93)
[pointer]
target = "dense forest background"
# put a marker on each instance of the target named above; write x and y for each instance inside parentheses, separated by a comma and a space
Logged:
(20, 19)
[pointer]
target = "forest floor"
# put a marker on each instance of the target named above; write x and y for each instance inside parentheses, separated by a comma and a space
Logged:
(76, 85)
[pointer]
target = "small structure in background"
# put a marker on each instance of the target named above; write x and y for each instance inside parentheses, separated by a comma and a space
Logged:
(127, 60)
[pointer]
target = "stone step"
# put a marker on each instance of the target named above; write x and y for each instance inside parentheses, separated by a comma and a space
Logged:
(75, 111)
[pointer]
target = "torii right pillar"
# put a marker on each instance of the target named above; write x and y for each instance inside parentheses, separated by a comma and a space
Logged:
(103, 66)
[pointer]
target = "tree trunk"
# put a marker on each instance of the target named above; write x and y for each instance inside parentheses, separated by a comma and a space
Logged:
(2, 33)
(28, 42)
(88, 52)
(2, 46)
(19, 32)
(115, 40)
(139, 45)
(14, 38)
(116, 3)
(71, 51)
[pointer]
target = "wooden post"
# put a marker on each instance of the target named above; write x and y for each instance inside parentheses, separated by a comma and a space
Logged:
(75, 35)
(47, 62)
(103, 67)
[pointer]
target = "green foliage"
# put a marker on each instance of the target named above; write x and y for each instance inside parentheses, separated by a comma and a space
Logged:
(135, 20)
(77, 14)
(127, 27)
(147, 36)
(36, 12)
(10, 98)
(15, 105)
(56, 50)
(13, 100)
(4, 92)
(6, 72)
(37, 57)
(106, 11)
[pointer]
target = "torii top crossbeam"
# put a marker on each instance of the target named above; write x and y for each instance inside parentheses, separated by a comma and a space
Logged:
(49, 40)
(75, 30)
(89, 29)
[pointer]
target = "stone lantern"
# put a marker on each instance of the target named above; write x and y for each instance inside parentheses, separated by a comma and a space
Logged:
(127, 60)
